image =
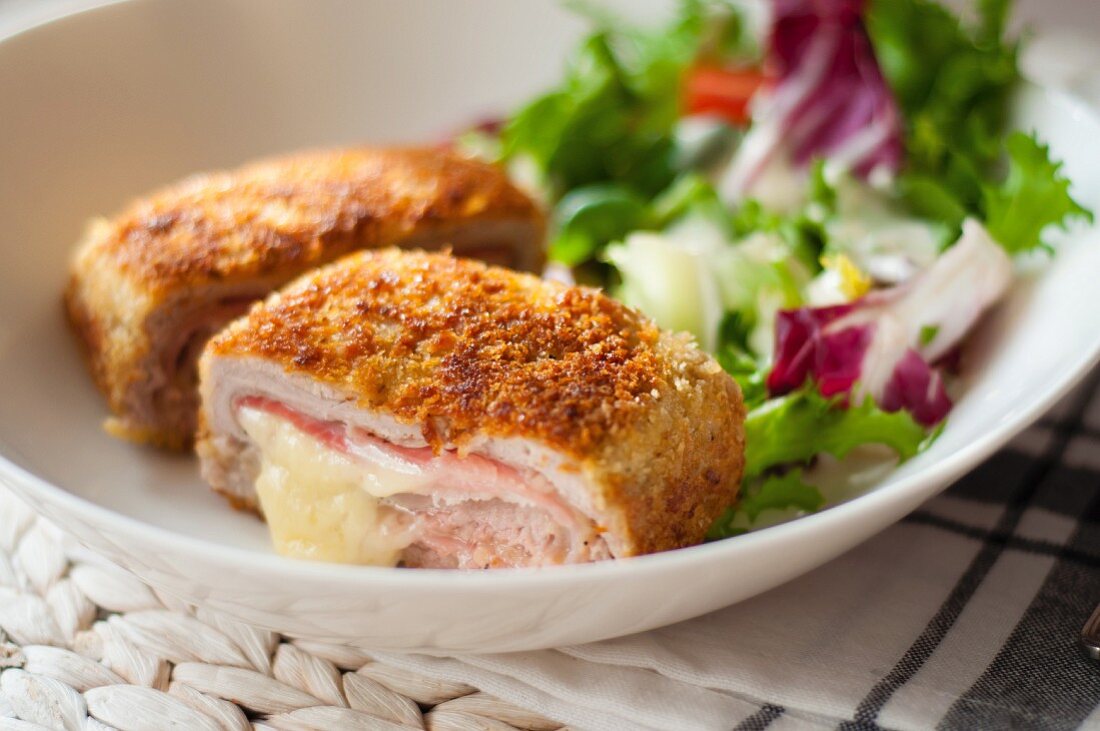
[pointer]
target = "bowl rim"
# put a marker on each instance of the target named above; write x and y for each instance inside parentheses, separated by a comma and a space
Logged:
(938, 474)
(24, 20)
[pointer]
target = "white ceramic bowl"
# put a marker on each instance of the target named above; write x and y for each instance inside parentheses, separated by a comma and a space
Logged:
(103, 105)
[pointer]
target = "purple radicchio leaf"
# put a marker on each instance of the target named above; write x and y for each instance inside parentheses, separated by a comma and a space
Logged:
(918, 388)
(830, 99)
(805, 349)
(882, 345)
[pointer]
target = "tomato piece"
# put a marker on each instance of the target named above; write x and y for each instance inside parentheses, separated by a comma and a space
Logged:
(722, 92)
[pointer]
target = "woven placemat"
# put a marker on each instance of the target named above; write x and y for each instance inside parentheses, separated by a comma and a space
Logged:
(86, 645)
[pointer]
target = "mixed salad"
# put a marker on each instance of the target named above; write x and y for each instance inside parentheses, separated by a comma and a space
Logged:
(826, 193)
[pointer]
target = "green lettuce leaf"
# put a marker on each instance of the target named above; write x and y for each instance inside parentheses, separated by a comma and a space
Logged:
(690, 194)
(953, 82)
(803, 231)
(592, 129)
(733, 354)
(782, 492)
(794, 428)
(1035, 195)
(612, 119)
(588, 218)
(609, 129)
(778, 492)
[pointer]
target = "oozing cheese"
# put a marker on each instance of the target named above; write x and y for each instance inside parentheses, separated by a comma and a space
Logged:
(320, 504)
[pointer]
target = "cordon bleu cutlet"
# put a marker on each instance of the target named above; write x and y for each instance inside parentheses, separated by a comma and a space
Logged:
(418, 409)
(149, 287)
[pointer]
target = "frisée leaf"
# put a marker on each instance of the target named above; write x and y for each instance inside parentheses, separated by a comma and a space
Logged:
(613, 117)
(794, 428)
(778, 492)
(953, 82)
(1035, 195)
(782, 492)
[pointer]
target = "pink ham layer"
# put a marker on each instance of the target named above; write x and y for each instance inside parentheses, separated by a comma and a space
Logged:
(477, 513)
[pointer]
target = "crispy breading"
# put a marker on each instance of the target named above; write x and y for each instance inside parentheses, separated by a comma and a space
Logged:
(467, 351)
(305, 208)
(208, 246)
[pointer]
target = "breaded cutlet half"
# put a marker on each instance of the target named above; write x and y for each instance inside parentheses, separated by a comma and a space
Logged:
(148, 287)
(468, 353)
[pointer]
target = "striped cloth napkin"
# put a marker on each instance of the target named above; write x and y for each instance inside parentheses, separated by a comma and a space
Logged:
(966, 615)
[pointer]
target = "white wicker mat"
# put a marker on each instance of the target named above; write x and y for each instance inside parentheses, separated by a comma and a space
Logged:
(85, 645)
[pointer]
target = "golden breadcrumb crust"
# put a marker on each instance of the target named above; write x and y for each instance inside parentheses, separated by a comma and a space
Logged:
(297, 209)
(242, 233)
(466, 350)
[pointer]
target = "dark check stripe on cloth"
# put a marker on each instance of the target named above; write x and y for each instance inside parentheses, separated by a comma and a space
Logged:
(1039, 679)
(1015, 542)
(1006, 696)
(761, 719)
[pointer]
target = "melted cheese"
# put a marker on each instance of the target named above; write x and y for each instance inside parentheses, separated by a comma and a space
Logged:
(322, 505)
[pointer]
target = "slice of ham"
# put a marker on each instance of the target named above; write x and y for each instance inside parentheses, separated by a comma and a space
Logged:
(455, 511)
